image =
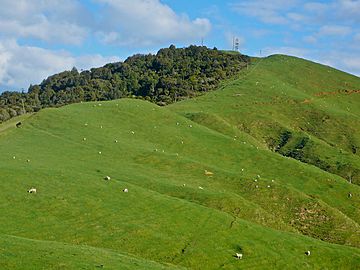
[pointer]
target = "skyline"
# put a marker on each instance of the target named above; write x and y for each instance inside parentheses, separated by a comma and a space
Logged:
(40, 38)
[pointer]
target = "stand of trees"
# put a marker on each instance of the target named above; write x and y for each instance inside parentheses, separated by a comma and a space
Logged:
(169, 76)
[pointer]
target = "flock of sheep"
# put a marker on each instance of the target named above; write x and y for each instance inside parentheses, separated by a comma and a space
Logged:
(206, 173)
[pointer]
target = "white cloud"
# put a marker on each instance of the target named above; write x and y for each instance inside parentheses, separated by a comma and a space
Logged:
(22, 65)
(52, 21)
(147, 22)
(357, 37)
(334, 30)
(310, 39)
(266, 11)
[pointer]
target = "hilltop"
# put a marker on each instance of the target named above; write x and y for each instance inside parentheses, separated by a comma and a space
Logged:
(173, 74)
(281, 139)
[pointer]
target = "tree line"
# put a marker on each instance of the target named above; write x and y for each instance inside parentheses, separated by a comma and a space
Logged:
(171, 75)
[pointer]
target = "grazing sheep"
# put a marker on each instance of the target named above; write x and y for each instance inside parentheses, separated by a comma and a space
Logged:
(273, 181)
(116, 141)
(28, 160)
(14, 157)
(242, 170)
(182, 142)
(255, 180)
(208, 173)
(32, 190)
(101, 126)
(125, 190)
(307, 253)
(349, 195)
(86, 124)
(132, 132)
(99, 152)
(257, 186)
(268, 186)
(238, 255)
(190, 126)
(201, 188)
(184, 185)
(177, 123)
(107, 178)
(84, 139)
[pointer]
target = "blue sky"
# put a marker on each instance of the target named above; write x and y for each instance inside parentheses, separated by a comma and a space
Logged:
(39, 38)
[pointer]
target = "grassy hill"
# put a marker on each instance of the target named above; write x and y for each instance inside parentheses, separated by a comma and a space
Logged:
(270, 196)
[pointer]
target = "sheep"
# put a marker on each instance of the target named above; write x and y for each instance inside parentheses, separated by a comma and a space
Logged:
(208, 173)
(99, 152)
(307, 253)
(125, 190)
(132, 132)
(84, 139)
(107, 178)
(14, 157)
(268, 186)
(350, 195)
(257, 186)
(255, 180)
(177, 123)
(201, 188)
(86, 124)
(28, 160)
(238, 256)
(32, 190)
(101, 126)
(116, 141)
(18, 124)
(190, 126)
(184, 185)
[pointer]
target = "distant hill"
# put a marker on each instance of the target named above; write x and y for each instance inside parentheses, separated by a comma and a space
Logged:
(170, 75)
(280, 140)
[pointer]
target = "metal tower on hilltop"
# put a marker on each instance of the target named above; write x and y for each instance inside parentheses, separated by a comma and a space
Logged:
(236, 44)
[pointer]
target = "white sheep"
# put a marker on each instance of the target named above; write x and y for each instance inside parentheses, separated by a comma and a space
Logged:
(32, 190)
(201, 188)
(125, 190)
(238, 255)
(307, 253)
(107, 178)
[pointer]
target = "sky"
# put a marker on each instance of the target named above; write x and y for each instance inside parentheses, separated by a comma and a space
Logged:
(41, 37)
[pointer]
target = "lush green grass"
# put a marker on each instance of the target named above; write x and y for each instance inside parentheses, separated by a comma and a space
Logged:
(166, 220)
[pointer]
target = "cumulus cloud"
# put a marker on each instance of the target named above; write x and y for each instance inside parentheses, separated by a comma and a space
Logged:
(50, 21)
(147, 22)
(266, 11)
(22, 65)
(334, 30)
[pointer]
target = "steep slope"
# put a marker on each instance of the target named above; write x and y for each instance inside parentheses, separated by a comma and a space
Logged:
(173, 213)
(297, 108)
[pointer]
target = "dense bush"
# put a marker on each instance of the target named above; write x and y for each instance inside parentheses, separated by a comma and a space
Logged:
(169, 76)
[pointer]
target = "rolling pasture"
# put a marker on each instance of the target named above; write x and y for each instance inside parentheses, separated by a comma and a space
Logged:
(265, 198)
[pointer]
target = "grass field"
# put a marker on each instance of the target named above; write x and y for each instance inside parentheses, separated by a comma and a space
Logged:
(273, 194)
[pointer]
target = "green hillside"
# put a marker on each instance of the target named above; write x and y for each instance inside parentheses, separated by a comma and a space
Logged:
(265, 136)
